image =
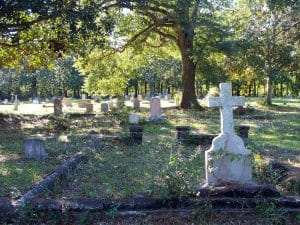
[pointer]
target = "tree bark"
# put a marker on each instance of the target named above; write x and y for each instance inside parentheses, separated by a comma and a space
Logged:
(34, 88)
(188, 70)
(268, 99)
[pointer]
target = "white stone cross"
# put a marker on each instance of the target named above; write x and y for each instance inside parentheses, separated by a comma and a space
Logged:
(225, 102)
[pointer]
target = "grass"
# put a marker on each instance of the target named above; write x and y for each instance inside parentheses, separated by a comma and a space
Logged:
(159, 167)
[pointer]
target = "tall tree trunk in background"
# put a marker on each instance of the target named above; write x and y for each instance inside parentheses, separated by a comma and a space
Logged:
(281, 89)
(34, 88)
(268, 99)
(185, 43)
(145, 88)
(136, 87)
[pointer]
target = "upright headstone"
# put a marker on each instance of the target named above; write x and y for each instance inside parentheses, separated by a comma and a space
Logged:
(136, 105)
(155, 110)
(67, 102)
(134, 118)
(227, 161)
(16, 104)
(84, 96)
(104, 107)
(35, 148)
(89, 108)
(36, 101)
(57, 107)
(140, 98)
(5, 102)
(131, 98)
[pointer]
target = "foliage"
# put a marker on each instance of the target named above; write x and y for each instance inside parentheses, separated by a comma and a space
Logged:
(59, 124)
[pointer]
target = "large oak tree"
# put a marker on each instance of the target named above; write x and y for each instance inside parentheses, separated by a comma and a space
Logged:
(73, 21)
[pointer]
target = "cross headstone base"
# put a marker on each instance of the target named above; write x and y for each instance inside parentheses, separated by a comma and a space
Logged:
(228, 161)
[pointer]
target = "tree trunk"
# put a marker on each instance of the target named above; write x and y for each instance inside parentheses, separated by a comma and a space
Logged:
(185, 44)
(136, 90)
(145, 88)
(268, 99)
(281, 89)
(34, 88)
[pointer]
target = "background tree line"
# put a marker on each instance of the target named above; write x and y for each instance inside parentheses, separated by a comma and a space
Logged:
(152, 46)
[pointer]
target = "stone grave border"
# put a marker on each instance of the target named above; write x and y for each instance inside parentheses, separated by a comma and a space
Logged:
(224, 199)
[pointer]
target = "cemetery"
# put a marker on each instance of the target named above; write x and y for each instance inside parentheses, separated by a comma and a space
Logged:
(149, 112)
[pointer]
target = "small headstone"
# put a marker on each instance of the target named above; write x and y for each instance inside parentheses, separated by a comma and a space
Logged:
(104, 107)
(35, 148)
(89, 108)
(155, 110)
(136, 134)
(67, 102)
(136, 105)
(47, 100)
(134, 118)
(5, 102)
(183, 133)
(131, 98)
(126, 97)
(140, 98)
(227, 161)
(167, 97)
(57, 107)
(82, 103)
(36, 101)
(63, 138)
(84, 96)
(110, 105)
(96, 143)
(16, 105)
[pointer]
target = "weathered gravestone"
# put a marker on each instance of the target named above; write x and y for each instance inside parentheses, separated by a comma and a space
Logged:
(82, 103)
(136, 104)
(5, 102)
(57, 107)
(104, 107)
(84, 96)
(67, 102)
(16, 103)
(36, 101)
(136, 134)
(35, 148)
(227, 161)
(155, 110)
(140, 98)
(134, 118)
(89, 108)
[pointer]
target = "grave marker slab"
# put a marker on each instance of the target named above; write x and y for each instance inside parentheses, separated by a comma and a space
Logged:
(35, 148)
(104, 107)
(89, 108)
(155, 110)
(134, 118)
(136, 104)
(227, 161)
(36, 101)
